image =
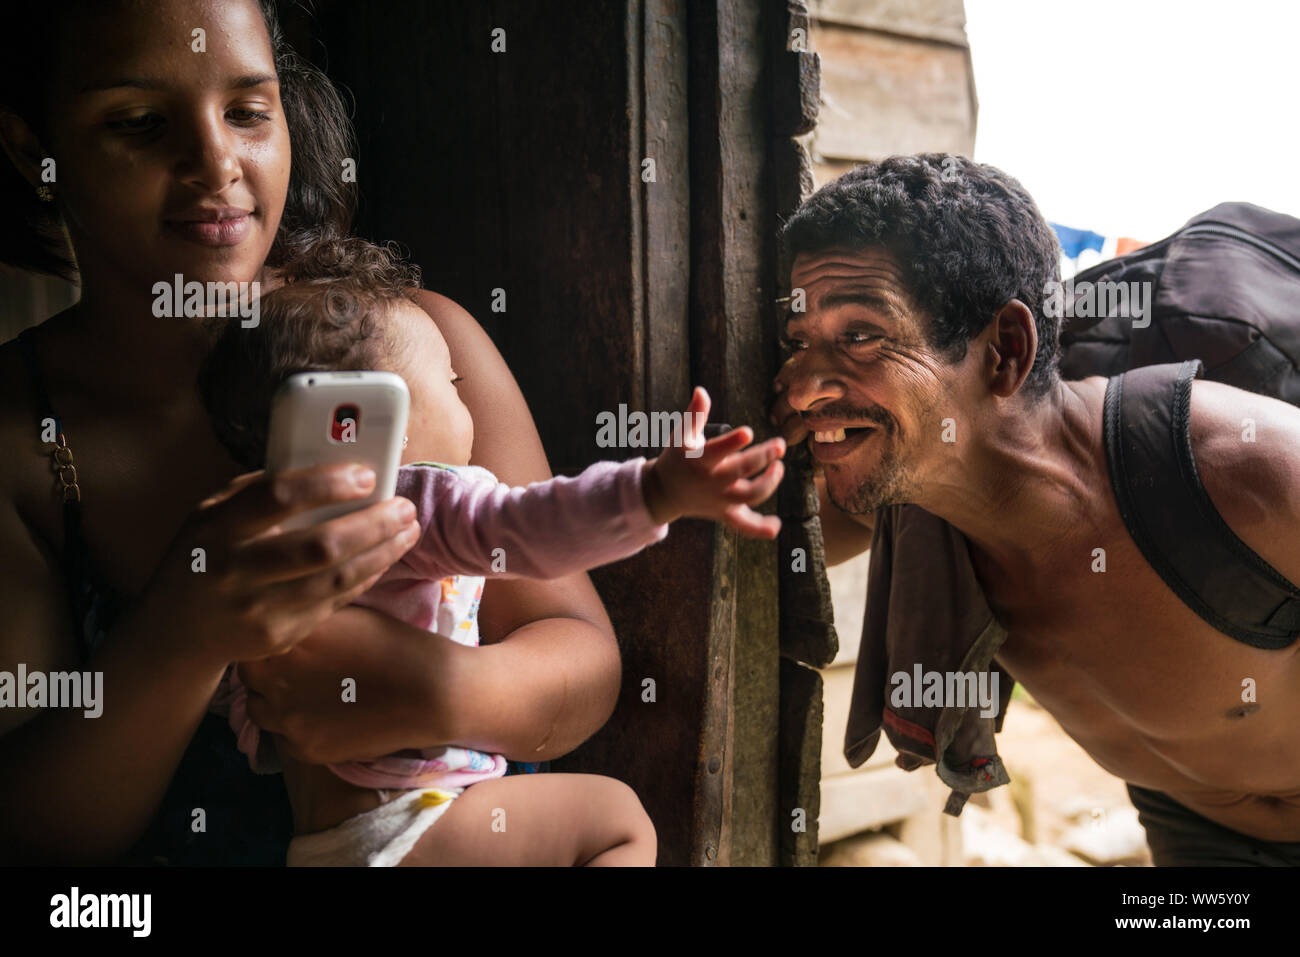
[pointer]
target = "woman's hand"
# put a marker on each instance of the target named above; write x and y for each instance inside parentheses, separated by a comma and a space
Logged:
(388, 665)
(547, 675)
(255, 590)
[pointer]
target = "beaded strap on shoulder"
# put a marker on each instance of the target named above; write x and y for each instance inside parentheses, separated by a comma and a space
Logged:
(61, 461)
(90, 609)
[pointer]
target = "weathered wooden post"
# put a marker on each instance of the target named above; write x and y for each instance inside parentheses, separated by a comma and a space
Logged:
(618, 171)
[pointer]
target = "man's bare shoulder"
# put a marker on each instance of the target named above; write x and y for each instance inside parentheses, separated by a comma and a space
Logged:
(1247, 450)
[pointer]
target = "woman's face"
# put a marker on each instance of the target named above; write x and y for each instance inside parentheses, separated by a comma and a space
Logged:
(171, 144)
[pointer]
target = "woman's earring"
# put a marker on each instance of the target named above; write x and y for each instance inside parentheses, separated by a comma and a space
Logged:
(44, 194)
(405, 439)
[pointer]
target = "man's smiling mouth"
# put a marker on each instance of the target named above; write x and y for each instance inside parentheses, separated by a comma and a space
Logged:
(832, 445)
(831, 436)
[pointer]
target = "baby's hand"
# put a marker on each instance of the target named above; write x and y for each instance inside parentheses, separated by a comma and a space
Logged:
(710, 479)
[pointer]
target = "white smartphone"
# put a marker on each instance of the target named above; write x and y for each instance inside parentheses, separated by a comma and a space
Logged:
(322, 418)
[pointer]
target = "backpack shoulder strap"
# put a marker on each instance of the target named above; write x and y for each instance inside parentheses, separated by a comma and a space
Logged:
(1147, 433)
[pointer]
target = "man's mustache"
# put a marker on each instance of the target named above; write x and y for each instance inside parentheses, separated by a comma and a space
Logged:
(878, 417)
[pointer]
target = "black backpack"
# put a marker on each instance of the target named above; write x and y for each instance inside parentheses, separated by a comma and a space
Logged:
(1225, 303)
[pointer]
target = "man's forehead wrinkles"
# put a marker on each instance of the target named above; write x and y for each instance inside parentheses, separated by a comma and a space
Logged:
(868, 283)
(846, 264)
(877, 278)
(873, 284)
(836, 278)
(845, 271)
(870, 290)
(889, 306)
(859, 296)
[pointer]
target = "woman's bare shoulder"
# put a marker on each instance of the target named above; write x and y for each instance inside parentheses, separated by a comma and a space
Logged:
(19, 425)
(505, 437)
(26, 480)
(440, 307)
(30, 519)
(506, 442)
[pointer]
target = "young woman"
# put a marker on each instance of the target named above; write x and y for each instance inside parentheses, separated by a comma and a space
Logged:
(215, 160)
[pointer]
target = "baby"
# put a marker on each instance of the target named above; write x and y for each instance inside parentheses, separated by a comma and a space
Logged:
(346, 305)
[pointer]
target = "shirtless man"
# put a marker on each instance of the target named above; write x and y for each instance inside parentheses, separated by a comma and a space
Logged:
(923, 296)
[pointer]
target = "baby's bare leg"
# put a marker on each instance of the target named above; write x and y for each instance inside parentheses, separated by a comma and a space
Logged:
(540, 819)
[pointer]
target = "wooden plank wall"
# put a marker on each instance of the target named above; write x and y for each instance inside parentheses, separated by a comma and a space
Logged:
(897, 79)
(523, 171)
(808, 636)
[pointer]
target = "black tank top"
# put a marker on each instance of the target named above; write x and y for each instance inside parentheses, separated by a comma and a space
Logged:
(248, 818)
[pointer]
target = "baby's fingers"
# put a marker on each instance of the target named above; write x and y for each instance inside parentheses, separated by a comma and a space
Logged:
(700, 403)
(697, 414)
(748, 522)
(750, 461)
(754, 491)
(723, 445)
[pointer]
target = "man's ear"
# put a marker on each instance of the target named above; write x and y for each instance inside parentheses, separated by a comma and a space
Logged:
(22, 147)
(1012, 345)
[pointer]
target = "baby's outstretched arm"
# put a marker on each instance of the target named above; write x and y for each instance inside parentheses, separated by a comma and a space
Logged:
(473, 526)
(711, 479)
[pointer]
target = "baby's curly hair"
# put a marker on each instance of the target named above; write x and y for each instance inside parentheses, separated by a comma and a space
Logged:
(328, 316)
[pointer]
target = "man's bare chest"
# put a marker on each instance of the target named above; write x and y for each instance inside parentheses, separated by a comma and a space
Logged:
(1099, 627)
(1152, 691)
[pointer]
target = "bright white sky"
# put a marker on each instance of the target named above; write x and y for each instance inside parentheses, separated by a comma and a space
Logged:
(1127, 117)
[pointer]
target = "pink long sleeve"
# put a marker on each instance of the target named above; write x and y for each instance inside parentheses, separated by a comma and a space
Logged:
(474, 525)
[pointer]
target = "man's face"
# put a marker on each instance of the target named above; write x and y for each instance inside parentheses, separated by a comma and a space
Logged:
(863, 376)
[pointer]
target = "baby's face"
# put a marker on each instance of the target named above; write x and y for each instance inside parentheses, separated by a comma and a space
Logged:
(441, 428)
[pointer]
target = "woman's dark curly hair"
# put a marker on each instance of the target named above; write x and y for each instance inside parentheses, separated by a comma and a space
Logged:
(319, 203)
(328, 317)
(967, 236)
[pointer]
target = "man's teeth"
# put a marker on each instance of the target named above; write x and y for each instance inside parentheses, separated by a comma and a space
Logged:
(834, 436)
